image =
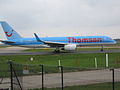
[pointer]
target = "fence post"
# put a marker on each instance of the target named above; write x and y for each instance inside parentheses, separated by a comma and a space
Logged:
(113, 79)
(62, 82)
(42, 69)
(107, 65)
(11, 74)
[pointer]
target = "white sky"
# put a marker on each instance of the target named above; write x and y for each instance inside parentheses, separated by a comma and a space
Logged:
(62, 17)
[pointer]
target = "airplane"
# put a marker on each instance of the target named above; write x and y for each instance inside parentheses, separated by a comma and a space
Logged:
(68, 43)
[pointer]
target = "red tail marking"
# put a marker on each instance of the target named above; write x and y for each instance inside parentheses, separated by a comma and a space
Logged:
(9, 35)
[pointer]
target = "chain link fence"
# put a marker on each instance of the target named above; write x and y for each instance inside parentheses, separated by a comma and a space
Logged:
(29, 77)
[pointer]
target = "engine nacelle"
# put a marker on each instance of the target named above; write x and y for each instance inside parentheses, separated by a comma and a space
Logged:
(70, 47)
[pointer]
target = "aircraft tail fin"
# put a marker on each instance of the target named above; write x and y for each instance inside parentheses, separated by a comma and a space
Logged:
(9, 32)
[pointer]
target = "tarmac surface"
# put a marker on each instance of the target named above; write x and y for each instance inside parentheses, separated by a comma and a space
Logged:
(70, 79)
(19, 51)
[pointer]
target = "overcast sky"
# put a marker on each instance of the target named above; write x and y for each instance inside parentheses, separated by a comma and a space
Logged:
(62, 17)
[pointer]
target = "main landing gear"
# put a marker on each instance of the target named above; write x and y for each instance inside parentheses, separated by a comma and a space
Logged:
(57, 50)
(102, 49)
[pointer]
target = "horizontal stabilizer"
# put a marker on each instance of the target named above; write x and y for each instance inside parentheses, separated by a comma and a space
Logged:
(6, 41)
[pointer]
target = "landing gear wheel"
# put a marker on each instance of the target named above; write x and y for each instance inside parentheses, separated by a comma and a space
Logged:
(57, 51)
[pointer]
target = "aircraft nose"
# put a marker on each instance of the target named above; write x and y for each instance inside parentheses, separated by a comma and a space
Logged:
(114, 41)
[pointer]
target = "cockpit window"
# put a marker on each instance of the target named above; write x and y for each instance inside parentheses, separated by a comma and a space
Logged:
(107, 38)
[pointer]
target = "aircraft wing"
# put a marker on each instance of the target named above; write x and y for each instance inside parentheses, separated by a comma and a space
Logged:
(53, 44)
(6, 41)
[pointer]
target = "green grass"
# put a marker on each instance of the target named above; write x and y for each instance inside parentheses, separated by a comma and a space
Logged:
(39, 50)
(71, 62)
(3, 46)
(118, 44)
(100, 86)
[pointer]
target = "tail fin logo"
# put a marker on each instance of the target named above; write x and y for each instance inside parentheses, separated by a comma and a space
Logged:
(9, 35)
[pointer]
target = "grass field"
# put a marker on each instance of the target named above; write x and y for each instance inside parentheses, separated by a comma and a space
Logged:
(101, 86)
(3, 46)
(71, 60)
(118, 44)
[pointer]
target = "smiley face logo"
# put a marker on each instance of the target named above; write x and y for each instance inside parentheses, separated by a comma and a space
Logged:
(9, 35)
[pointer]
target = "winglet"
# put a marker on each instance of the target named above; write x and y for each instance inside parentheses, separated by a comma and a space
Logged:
(37, 38)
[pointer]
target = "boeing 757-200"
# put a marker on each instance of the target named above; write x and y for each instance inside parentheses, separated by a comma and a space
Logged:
(68, 43)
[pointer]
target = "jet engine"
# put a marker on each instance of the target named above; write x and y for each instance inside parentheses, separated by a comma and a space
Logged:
(70, 47)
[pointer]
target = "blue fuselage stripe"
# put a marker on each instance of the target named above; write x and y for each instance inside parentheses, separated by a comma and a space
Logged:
(66, 40)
